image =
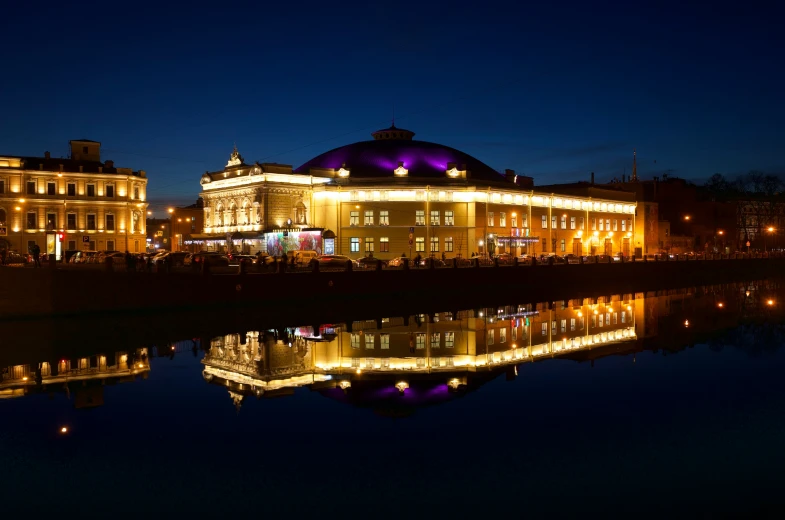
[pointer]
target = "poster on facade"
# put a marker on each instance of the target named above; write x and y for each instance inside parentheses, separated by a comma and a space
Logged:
(278, 244)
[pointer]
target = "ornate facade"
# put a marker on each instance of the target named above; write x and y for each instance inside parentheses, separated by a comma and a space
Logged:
(90, 203)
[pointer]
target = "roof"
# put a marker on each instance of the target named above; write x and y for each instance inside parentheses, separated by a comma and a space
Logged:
(69, 165)
(379, 158)
(83, 141)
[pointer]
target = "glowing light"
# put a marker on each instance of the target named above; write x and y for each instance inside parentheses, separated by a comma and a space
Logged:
(400, 170)
(140, 365)
(720, 305)
(452, 172)
(343, 172)
(358, 371)
(149, 213)
(453, 383)
(686, 217)
(18, 208)
(481, 314)
(170, 210)
(747, 293)
(596, 233)
(24, 378)
(64, 429)
(686, 323)
(344, 384)
(610, 233)
(401, 386)
(770, 302)
(596, 312)
(771, 229)
(580, 314)
(22, 201)
(580, 234)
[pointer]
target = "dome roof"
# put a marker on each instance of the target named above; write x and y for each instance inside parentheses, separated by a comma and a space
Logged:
(392, 146)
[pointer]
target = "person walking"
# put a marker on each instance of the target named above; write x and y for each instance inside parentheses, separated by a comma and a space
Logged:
(36, 252)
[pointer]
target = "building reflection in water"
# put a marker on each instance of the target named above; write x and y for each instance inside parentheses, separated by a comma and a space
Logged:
(81, 378)
(428, 359)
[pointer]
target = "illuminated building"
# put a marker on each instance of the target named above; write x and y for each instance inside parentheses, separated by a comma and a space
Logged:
(92, 204)
(395, 195)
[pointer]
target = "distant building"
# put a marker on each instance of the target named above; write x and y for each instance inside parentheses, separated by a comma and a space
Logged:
(92, 204)
(394, 195)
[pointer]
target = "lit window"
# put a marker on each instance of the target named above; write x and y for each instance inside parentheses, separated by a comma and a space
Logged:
(449, 339)
(369, 244)
(420, 340)
(384, 244)
(384, 341)
(502, 335)
(490, 337)
(490, 219)
(563, 245)
(544, 222)
(434, 217)
(623, 315)
(572, 323)
(434, 244)
(419, 244)
(601, 224)
(503, 219)
(448, 244)
(436, 338)
(607, 224)
(572, 222)
(369, 218)
(563, 222)
(553, 222)
(355, 244)
(354, 218)
(624, 225)
(594, 223)
(384, 218)
(419, 217)
(355, 340)
(449, 218)
(369, 340)
(564, 325)
(581, 223)
(615, 224)
(514, 220)
(544, 329)
(514, 333)
(526, 221)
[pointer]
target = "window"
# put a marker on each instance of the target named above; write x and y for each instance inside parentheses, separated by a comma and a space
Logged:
(109, 191)
(51, 221)
(514, 220)
(448, 244)
(91, 221)
(553, 327)
(564, 221)
(607, 224)
(526, 221)
(72, 189)
(435, 217)
(572, 222)
(2, 186)
(629, 224)
(601, 224)
(553, 245)
(544, 244)
(355, 244)
(384, 341)
(572, 324)
(51, 188)
(384, 218)
(623, 313)
(544, 222)
(563, 245)
(553, 222)
(419, 244)
(70, 221)
(434, 244)
(369, 341)
(91, 190)
(624, 225)
(502, 335)
(369, 245)
(355, 340)
(581, 223)
(354, 218)
(503, 219)
(109, 222)
(544, 329)
(110, 245)
(490, 219)
(564, 325)
(369, 218)
(449, 218)
(136, 192)
(420, 340)
(514, 333)
(615, 224)
(449, 339)
(31, 187)
(2, 216)
(593, 223)
(615, 318)
(436, 340)
(419, 217)
(602, 320)
(32, 220)
(384, 245)
(490, 336)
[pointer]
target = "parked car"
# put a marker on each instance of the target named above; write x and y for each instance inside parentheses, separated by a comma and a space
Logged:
(14, 257)
(301, 257)
(333, 261)
(236, 259)
(370, 262)
(212, 259)
(83, 257)
(400, 261)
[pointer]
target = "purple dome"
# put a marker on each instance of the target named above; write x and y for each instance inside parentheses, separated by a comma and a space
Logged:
(391, 146)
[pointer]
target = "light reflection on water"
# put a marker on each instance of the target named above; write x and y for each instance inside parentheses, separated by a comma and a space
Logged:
(598, 404)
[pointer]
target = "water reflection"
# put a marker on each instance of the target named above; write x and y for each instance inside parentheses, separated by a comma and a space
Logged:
(400, 363)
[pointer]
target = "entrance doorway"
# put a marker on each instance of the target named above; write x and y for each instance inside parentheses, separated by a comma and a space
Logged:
(577, 247)
(608, 247)
(625, 248)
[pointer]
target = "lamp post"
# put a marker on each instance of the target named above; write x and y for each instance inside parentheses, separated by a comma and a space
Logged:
(172, 234)
(770, 229)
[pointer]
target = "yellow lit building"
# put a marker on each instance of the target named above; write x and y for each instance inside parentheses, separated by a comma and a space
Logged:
(91, 204)
(395, 195)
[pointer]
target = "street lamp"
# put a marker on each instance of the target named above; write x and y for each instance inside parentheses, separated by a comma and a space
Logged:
(770, 229)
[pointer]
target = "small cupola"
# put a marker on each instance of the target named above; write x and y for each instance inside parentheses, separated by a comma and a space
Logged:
(393, 133)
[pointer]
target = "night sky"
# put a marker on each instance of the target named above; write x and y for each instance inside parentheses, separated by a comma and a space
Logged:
(553, 91)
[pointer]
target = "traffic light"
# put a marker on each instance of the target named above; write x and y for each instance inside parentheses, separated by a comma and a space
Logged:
(60, 237)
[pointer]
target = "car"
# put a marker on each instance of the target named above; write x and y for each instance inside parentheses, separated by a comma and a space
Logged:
(333, 261)
(505, 258)
(370, 262)
(213, 259)
(399, 261)
(236, 259)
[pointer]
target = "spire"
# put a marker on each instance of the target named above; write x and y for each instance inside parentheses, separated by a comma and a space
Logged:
(634, 176)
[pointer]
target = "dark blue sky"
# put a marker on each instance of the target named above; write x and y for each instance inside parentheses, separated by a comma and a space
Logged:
(550, 91)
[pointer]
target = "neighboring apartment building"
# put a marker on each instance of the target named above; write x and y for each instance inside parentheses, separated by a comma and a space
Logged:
(395, 195)
(89, 203)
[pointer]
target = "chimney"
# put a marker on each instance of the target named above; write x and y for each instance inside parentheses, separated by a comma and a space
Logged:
(592, 178)
(510, 175)
(109, 164)
(47, 155)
